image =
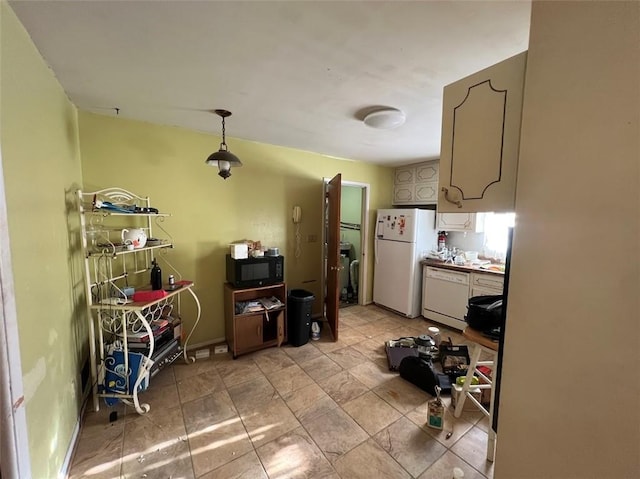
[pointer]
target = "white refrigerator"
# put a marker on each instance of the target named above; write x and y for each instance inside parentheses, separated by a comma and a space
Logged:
(402, 237)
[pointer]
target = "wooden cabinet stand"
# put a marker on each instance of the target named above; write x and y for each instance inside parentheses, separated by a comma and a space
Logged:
(251, 331)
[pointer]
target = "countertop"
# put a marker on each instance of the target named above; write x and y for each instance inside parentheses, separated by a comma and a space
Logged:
(466, 268)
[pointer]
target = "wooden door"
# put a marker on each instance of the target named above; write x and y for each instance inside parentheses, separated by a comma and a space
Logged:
(248, 332)
(334, 188)
(281, 328)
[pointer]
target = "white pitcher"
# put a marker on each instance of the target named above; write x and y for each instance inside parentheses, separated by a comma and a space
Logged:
(135, 236)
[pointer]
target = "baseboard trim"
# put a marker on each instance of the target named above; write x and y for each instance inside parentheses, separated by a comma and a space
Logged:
(191, 347)
(86, 395)
(64, 470)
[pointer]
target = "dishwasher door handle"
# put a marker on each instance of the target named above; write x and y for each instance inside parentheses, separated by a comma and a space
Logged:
(450, 276)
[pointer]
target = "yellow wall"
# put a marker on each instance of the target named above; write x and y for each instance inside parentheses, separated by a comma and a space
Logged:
(41, 163)
(167, 164)
(570, 390)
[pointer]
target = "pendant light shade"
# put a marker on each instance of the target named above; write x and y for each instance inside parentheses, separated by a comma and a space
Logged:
(223, 158)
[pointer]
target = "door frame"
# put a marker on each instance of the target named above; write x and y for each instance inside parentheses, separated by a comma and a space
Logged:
(15, 459)
(363, 270)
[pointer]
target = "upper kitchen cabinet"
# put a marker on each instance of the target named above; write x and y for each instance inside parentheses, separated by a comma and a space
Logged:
(481, 138)
(416, 184)
(470, 222)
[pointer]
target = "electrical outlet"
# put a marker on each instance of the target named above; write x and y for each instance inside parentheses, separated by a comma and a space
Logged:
(202, 353)
(220, 349)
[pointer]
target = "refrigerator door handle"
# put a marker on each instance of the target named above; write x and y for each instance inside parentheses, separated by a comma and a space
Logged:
(379, 225)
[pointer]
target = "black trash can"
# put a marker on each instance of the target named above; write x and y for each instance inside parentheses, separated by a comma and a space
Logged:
(299, 308)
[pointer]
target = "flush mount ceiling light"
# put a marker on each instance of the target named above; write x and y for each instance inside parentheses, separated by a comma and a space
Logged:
(223, 158)
(385, 118)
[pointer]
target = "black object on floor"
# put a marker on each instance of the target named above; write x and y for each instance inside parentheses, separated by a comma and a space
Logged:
(484, 312)
(299, 308)
(420, 372)
(454, 359)
(398, 349)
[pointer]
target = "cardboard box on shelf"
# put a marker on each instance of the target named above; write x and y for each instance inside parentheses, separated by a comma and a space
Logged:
(239, 250)
(456, 392)
(485, 398)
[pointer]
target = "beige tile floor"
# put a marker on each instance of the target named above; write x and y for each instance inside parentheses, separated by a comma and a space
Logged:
(323, 410)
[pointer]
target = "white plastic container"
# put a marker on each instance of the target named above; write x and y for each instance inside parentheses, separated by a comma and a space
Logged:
(435, 335)
(457, 473)
(239, 250)
(471, 255)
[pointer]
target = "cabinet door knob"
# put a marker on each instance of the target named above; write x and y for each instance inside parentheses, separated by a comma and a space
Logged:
(458, 203)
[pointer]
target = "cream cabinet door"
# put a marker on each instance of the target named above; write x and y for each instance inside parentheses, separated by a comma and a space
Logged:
(425, 193)
(480, 291)
(427, 172)
(426, 187)
(460, 221)
(418, 194)
(481, 138)
(482, 284)
(403, 195)
(416, 184)
(405, 176)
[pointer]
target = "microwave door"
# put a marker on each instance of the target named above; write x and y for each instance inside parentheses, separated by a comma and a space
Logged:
(253, 272)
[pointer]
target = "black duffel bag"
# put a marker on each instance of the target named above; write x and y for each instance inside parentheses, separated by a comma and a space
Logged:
(420, 371)
(484, 312)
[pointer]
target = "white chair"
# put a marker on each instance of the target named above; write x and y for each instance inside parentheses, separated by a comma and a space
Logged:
(480, 344)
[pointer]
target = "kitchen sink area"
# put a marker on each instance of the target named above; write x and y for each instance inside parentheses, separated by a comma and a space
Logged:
(490, 268)
(447, 287)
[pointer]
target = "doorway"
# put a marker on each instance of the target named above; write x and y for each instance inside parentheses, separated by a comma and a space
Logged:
(14, 451)
(350, 244)
(354, 223)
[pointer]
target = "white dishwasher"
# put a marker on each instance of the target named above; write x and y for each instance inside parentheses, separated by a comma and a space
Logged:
(446, 296)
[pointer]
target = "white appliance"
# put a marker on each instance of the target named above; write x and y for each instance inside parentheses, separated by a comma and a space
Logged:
(446, 296)
(402, 237)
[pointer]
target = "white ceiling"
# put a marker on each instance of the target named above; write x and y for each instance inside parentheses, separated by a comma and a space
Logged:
(298, 74)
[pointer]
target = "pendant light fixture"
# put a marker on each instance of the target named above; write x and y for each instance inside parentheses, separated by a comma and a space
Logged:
(223, 158)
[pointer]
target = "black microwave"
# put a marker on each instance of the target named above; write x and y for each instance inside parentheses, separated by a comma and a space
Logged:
(252, 272)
